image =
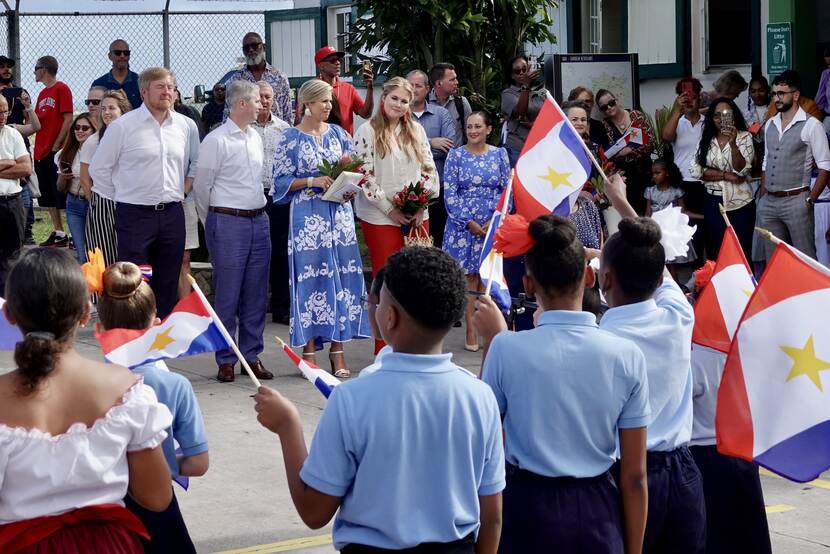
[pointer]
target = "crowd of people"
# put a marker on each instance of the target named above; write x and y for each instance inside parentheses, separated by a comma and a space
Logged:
(605, 449)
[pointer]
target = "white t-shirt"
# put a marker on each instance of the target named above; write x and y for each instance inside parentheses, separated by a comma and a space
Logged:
(88, 149)
(43, 475)
(685, 145)
(11, 148)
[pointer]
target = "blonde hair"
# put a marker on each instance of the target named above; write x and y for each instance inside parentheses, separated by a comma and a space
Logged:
(385, 129)
(153, 74)
(127, 301)
(313, 90)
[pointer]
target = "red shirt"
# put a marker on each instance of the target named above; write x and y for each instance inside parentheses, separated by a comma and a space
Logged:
(52, 103)
(350, 103)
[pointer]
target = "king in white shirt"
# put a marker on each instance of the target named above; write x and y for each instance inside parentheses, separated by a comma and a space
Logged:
(230, 201)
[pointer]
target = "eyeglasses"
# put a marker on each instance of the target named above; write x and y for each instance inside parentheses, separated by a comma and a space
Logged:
(92, 101)
(251, 46)
(125, 53)
(83, 128)
(781, 93)
(7, 113)
(610, 104)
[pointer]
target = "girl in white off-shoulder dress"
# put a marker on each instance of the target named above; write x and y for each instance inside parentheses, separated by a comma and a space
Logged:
(76, 436)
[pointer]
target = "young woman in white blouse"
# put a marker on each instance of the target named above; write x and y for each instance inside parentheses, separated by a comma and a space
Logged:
(395, 151)
(76, 436)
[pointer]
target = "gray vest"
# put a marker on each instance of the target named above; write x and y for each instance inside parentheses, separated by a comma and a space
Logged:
(786, 159)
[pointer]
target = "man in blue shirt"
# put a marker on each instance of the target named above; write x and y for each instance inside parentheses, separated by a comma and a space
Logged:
(120, 76)
(411, 455)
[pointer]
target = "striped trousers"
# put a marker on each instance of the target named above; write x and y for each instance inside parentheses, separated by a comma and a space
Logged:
(100, 228)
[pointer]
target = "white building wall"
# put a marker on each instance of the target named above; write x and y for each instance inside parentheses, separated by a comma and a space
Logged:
(651, 31)
(293, 46)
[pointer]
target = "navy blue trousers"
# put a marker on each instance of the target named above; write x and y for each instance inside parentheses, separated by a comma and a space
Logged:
(676, 507)
(560, 514)
(736, 520)
(155, 237)
(466, 545)
(278, 217)
(168, 532)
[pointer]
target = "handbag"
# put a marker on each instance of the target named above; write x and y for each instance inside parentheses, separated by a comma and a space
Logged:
(417, 236)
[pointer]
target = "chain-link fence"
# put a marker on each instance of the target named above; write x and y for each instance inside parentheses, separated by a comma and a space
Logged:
(202, 47)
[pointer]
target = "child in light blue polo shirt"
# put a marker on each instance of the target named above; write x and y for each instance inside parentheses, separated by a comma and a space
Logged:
(567, 391)
(411, 455)
(649, 308)
(127, 302)
(372, 301)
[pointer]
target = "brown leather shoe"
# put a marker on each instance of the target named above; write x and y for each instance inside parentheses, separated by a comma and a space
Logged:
(258, 369)
(225, 374)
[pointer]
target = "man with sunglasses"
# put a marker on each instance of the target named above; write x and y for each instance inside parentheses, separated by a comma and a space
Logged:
(258, 69)
(120, 76)
(794, 142)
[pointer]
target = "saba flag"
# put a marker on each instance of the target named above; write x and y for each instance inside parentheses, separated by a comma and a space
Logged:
(491, 263)
(723, 300)
(774, 399)
(325, 382)
(9, 334)
(552, 167)
(188, 330)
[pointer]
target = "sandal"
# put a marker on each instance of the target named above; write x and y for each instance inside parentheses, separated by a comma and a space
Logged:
(311, 357)
(339, 372)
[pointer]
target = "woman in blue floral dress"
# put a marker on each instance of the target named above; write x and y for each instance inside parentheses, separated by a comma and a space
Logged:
(325, 270)
(474, 177)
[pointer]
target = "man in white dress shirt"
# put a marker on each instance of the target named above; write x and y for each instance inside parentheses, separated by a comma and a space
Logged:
(14, 164)
(229, 199)
(148, 157)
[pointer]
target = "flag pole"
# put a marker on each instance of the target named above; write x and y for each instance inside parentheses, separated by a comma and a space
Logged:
(582, 142)
(768, 235)
(723, 214)
(504, 208)
(225, 334)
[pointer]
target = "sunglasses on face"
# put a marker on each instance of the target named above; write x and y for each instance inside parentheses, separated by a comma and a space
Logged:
(519, 70)
(82, 128)
(251, 46)
(610, 104)
(92, 101)
(125, 53)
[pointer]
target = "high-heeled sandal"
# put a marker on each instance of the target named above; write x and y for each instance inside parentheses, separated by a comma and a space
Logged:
(311, 357)
(339, 372)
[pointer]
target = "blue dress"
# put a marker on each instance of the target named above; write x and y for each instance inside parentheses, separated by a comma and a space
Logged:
(324, 268)
(472, 186)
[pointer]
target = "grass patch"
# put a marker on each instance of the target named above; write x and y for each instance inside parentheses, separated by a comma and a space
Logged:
(42, 227)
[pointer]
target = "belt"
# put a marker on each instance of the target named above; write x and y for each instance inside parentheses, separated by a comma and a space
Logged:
(160, 207)
(786, 193)
(236, 212)
(7, 197)
(78, 196)
(513, 470)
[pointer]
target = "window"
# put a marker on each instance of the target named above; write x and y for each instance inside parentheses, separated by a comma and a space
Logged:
(601, 28)
(595, 27)
(340, 22)
(729, 32)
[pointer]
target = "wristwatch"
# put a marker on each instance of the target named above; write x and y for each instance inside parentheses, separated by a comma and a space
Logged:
(810, 200)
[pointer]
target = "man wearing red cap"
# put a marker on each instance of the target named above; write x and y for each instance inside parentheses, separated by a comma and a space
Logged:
(328, 61)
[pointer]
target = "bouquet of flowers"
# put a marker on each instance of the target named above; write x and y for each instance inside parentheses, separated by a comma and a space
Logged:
(413, 197)
(345, 163)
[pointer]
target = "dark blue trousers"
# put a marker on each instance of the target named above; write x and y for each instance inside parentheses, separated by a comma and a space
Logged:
(736, 520)
(153, 235)
(168, 532)
(560, 514)
(278, 217)
(676, 508)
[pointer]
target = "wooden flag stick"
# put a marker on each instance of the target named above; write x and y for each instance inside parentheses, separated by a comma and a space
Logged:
(224, 331)
(769, 236)
(504, 208)
(723, 214)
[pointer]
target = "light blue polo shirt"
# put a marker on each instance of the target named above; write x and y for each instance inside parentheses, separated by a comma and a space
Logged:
(176, 392)
(662, 328)
(565, 389)
(410, 448)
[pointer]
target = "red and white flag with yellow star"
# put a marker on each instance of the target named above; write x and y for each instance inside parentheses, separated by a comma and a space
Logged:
(774, 399)
(189, 329)
(552, 167)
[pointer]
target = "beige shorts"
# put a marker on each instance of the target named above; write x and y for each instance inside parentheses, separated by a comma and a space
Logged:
(191, 225)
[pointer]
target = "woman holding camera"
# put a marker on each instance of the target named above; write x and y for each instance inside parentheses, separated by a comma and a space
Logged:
(68, 160)
(723, 162)
(520, 104)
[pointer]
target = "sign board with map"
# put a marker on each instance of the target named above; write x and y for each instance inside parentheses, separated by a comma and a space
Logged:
(615, 72)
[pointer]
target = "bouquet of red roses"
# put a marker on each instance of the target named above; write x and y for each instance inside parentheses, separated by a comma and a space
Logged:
(413, 197)
(345, 163)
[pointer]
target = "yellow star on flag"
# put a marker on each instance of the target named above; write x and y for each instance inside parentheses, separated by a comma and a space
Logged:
(748, 293)
(162, 340)
(805, 362)
(557, 179)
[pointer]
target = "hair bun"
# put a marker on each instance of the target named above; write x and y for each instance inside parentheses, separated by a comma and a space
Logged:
(642, 231)
(122, 279)
(552, 232)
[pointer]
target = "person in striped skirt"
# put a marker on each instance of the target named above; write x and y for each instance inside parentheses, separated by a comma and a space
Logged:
(100, 222)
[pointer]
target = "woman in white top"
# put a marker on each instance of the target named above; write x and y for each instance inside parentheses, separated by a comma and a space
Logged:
(76, 436)
(100, 221)
(68, 162)
(395, 153)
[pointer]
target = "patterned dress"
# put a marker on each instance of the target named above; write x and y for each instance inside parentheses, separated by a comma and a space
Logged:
(472, 186)
(324, 268)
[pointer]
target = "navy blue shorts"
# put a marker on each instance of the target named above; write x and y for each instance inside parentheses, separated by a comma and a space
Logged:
(736, 520)
(560, 514)
(168, 532)
(467, 545)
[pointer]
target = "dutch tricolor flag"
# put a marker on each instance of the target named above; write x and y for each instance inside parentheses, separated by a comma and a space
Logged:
(324, 381)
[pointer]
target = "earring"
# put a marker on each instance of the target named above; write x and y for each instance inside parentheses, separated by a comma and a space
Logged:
(307, 112)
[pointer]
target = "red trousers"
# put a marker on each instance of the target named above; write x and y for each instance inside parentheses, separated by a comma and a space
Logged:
(383, 241)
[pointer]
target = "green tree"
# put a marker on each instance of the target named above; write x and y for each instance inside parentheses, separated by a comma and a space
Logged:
(479, 37)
